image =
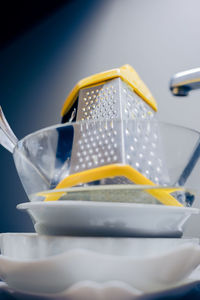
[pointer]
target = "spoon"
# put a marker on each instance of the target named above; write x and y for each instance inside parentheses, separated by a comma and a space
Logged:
(7, 138)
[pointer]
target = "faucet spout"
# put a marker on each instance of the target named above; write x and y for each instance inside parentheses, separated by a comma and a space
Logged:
(183, 82)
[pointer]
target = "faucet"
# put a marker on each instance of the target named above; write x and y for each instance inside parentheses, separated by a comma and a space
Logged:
(180, 85)
(183, 82)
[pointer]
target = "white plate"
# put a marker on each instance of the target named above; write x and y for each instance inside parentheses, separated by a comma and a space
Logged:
(89, 290)
(27, 269)
(58, 273)
(107, 219)
(31, 246)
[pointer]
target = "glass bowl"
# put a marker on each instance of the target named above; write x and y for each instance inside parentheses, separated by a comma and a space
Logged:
(111, 159)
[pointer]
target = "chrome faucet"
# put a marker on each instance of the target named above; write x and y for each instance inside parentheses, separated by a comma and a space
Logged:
(182, 83)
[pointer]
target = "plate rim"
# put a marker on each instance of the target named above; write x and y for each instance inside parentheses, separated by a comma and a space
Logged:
(65, 203)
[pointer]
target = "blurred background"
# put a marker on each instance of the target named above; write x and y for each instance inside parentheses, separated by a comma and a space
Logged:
(46, 47)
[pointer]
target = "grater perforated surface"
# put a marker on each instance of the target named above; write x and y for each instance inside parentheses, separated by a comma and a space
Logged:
(116, 139)
(96, 144)
(113, 99)
(123, 142)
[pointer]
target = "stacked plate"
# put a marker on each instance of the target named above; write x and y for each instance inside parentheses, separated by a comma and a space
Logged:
(94, 267)
(110, 195)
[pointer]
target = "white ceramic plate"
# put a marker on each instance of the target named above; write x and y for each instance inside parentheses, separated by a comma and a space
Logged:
(89, 290)
(27, 269)
(107, 219)
(31, 246)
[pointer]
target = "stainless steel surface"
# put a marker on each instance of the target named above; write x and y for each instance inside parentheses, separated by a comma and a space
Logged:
(7, 138)
(116, 142)
(112, 99)
(182, 83)
(124, 142)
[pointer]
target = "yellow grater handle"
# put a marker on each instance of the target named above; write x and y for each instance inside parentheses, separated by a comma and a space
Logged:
(111, 171)
(126, 73)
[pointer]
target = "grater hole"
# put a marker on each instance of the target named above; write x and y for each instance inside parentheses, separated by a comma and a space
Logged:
(112, 140)
(141, 155)
(137, 164)
(112, 152)
(153, 145)
(127, 132)
(158, 169)
(155, 136)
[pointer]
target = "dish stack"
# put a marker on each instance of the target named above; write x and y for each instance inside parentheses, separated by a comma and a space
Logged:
(108, 197)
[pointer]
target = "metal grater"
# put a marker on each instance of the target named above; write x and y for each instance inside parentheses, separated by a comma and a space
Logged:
(111, 100)
(116, 141)
(119, 142)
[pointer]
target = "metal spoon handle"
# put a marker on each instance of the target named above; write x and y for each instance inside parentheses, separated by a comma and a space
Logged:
(7, 138)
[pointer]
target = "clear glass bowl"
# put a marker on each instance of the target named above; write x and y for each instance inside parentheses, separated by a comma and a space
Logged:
(159, 155)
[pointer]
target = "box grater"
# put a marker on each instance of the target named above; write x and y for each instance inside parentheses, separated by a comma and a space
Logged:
(116, 142)
(108, 139)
